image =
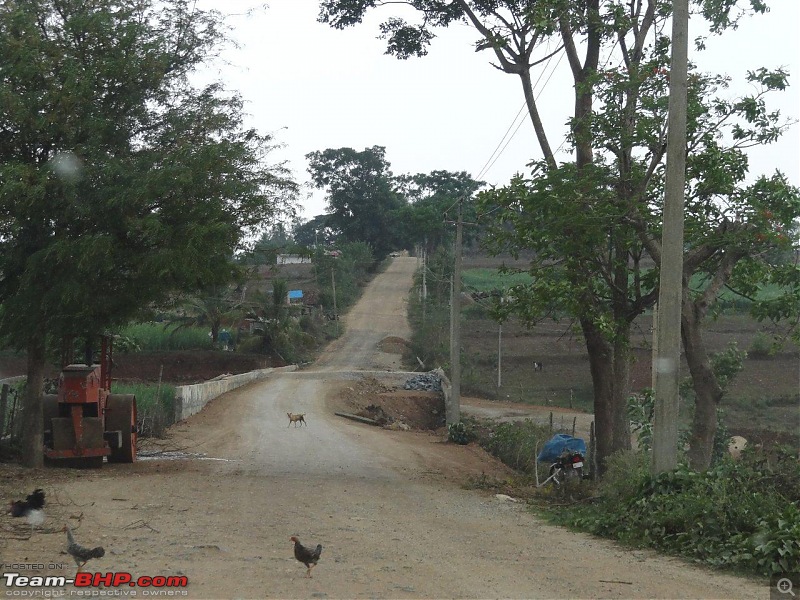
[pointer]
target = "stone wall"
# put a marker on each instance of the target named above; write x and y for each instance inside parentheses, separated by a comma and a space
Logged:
(190, 399)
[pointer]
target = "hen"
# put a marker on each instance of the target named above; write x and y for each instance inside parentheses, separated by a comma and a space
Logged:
(79, 553)
(305, 555)
(32, 508)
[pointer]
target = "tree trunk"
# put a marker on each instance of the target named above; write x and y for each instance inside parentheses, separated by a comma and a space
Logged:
(32, 429)
(610, 365)
(706, 388)
(533, 111)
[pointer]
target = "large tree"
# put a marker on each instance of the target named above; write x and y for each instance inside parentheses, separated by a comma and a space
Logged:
(120, 183)
(362, 197)
(433, 198)
(592, 219)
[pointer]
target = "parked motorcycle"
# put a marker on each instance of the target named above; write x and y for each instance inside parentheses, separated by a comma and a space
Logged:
(565, 455)
(568, 466)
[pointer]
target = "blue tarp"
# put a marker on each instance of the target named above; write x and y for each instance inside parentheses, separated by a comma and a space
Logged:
(295, 294)
(557, 444)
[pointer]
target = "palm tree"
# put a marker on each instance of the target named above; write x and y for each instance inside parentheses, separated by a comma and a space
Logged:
(210, 309)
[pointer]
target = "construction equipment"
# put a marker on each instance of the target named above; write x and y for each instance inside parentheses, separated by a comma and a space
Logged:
(84, 421)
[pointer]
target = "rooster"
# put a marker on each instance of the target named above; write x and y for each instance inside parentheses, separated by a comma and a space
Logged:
(32, 508)
(79, 553)
(305, 555)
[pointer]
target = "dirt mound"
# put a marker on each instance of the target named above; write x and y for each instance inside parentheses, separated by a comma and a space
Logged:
(393, 408)
(393, 345)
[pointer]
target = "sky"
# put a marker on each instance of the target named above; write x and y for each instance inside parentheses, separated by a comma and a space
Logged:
(315, 88)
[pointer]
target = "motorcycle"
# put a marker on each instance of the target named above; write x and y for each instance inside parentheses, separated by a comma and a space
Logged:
(565, 456)
(568, 466)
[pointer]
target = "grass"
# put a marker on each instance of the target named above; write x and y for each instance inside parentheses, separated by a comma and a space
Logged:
(154, 337)
(154, 407)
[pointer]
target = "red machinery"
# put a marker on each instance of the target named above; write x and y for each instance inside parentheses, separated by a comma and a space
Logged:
(85, 422)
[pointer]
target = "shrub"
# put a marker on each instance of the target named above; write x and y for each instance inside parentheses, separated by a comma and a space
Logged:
(739, 514)
(516, 444)
(761, 347)
(461, 433)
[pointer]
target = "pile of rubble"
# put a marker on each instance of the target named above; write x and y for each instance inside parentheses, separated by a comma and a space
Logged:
(427, 382)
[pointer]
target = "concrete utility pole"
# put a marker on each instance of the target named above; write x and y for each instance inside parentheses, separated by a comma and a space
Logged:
(453, 408)
(668, 325)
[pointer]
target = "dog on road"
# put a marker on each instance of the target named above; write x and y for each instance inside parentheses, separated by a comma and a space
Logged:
(294, 418)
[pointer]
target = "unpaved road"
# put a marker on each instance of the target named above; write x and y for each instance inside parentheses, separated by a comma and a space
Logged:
(388, 507)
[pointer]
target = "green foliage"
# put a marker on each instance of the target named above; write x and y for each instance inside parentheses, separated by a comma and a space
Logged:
(103, 211)
(761, 346)
(155, 406)
(641, 409)
(210, 309)
(461, 433)
(517, 444)
(740, 515)
(361, 195)
(154, 337)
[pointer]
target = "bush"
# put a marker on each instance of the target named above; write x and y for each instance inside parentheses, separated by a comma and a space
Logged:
(461, 433)
(761, 347)
(741, 515)
(517, 444)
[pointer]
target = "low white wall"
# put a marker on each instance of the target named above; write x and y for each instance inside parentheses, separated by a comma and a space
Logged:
(190, 399)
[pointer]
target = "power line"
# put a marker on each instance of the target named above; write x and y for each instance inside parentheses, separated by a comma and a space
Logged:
(523, 121)
(484, 169)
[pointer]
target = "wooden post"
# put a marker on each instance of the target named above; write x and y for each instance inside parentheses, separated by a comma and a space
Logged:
(335, 310)
(499, 355)
(592, 452)
(3, 402)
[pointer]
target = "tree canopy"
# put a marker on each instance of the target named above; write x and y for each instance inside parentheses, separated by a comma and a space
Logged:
(361, 195)
(592, 219)
(120, 183)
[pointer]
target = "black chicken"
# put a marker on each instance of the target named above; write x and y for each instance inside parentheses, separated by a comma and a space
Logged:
(305, 555)
(32, 508)
(79, 553)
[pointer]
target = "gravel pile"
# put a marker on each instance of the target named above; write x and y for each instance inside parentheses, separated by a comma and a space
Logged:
(428, 382)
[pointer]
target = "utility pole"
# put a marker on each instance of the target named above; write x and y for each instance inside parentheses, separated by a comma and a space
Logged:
(499, 355)
(453, 408)
(424, 290)
(670, 292)
(335, 311)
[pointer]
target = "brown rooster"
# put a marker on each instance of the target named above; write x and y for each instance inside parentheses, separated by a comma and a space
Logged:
(79, 553)
(305, 555)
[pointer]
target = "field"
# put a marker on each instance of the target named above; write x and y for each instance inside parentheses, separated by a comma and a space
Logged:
(762, 403)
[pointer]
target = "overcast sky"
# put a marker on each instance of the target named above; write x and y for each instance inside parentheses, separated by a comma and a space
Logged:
(317, 88)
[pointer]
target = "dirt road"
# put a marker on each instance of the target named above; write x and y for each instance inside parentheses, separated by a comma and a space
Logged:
(388, 507)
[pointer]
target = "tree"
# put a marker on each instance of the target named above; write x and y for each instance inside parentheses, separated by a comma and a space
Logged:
(210, 308)
(361, 195)
(120, 183)
(512, 29)
(592, 220)
(432, 206)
